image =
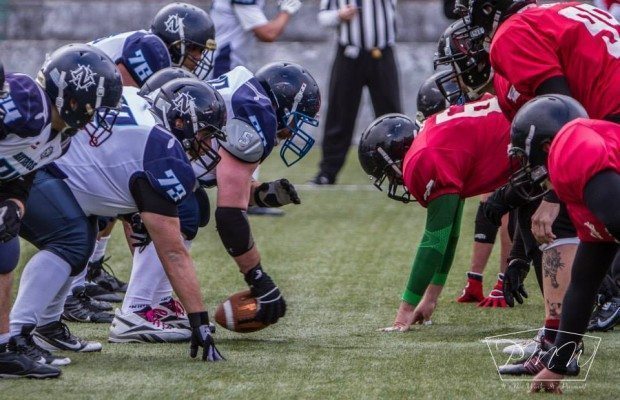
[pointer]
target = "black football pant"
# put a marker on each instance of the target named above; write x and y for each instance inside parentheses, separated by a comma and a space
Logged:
(348, 78)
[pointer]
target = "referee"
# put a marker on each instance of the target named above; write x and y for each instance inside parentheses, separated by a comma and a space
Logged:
(364, 57)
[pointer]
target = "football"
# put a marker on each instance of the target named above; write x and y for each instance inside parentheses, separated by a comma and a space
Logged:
(237, 313)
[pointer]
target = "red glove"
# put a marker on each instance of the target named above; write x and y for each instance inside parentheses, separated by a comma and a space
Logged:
(496, 297)
(472, 292)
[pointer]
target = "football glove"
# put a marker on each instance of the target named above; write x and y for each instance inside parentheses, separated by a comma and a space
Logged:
(495, 299)
(201, 337)
(139, 234)
(276, 194)
(289, 6)
(10, 220)
(514, 276)
(472, 292)
(271, 304)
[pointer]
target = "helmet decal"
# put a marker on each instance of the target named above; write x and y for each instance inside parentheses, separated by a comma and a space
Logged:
(174, 23)
(83, 77)
(184, 103)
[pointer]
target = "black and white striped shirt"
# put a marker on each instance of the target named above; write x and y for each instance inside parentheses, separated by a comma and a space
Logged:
(373, 27)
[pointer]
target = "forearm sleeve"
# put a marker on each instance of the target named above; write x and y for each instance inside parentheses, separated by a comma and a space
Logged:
(435, 252)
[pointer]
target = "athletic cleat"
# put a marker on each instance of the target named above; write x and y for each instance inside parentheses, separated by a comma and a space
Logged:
(101, 305)
(97, 292)
(98, 273)
(266, 211)
(18, 365)
(56, 336)
(24, 344)
(172, 313)
(535, 363)
(605, 316)
(144, 327)
(526, 347)
(472, 292)
(78, 308)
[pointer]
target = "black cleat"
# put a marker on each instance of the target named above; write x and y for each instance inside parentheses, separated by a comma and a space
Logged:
(79, 308)
(98, 272)
(18, 365)
(265, 211)
(24, 344)
(99, 293)
(605, 315)
(57, 336)
(322, 180)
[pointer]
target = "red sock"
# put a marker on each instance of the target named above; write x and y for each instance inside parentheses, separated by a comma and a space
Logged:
(551, 327)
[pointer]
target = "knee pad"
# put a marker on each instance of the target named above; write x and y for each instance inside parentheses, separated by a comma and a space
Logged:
(484, 230)
(234, 230)
(75, 243)
(9, 255)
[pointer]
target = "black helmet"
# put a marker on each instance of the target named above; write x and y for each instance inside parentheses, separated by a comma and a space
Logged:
(297, 99)
(460, 48)
(161, 77)
(83, 82)
(194, 112)
(489, 14)
(430, 99)
(382, 148)
(535, 125)
(184, 27)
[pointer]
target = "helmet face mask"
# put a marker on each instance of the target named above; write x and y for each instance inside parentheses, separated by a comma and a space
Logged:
(194, 112)
(100, 126)
(528, 180)
(296, 97)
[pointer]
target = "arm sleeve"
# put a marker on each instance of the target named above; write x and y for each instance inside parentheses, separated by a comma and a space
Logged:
(149, 200)
(436, 251)
(249, 13)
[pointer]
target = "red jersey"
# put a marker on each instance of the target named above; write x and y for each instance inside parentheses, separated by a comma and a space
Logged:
(462, 150)
(574, 40)
(583, 148)
(510, 100)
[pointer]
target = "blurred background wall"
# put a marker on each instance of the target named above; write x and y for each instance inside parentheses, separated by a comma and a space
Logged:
(31, 28)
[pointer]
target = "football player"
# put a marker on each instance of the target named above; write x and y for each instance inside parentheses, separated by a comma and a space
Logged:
(188, 34)
(141, 169)
(77, 88)
(556, 259)
(548, 134)
(439, 167)
(263, 109)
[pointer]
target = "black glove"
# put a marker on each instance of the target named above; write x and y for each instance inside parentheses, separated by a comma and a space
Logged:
(10, 220)
(271, 304)
(276, 194)
(514, 276)
(502, 201)
(201, 337)
(139, 233)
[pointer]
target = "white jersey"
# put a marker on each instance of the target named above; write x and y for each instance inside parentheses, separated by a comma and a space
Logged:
(113, 45)
(234, 21)
(100, 177)
(28, 142)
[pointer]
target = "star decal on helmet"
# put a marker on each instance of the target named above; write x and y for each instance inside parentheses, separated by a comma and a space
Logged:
(83, 77)
(174, 23)
(184, 103)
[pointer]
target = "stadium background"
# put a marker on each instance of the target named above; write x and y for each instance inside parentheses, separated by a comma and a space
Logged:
(341, 258)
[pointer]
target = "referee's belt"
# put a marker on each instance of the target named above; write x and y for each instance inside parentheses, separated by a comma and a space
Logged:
(353, 51)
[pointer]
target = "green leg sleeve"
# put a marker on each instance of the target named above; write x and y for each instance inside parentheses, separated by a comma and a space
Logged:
(440, 276)
(434, 250)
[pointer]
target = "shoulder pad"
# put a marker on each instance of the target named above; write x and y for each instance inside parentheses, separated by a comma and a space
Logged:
(243, 141)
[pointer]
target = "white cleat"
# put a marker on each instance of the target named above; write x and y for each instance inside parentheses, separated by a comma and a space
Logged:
(144, 327)
(172, 313)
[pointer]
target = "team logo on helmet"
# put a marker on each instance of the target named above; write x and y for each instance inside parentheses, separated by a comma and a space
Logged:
(184, 103)
(173, 23)
(83, 77)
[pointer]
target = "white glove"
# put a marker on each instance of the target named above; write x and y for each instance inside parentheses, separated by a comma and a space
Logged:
(290, 6)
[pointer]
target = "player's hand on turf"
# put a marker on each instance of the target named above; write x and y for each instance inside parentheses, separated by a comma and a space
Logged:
(140, 235)
(271, 304)
(290, 6)
(276, 194)
(10, 220)
(542, 221)
(514, 276)
(404, 318)
(202, 337)
(547, 381)
(495, 299)
(423, 312)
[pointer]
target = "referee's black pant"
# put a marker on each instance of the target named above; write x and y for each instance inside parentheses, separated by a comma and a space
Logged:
(348, 78)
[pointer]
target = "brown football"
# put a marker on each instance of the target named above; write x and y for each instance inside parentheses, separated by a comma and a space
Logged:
(237, 313)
